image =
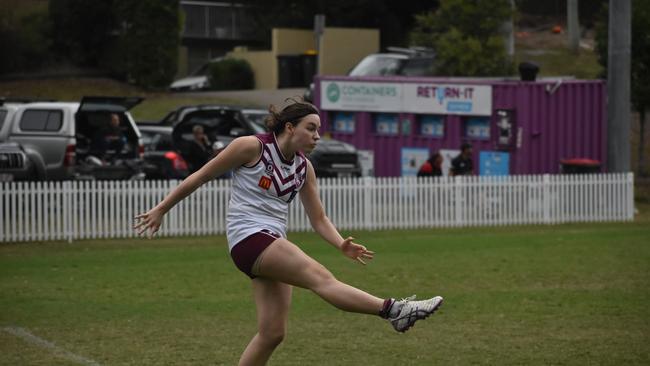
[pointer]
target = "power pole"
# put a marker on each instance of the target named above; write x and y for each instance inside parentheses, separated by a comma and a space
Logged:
(573, 25)
(319, 29)
(618, 86)
(508, 28)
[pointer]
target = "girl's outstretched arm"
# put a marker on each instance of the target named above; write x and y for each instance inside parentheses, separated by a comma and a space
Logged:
(322, 224)
(242, 150)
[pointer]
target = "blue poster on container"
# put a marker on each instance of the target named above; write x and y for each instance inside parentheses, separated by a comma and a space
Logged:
(494, 163)
(412, 159)
(386, 124)
(343, 122)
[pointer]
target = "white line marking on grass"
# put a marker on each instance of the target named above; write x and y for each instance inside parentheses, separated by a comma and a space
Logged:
(30, 338)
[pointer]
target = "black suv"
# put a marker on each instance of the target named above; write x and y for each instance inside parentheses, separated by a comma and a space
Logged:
(222, 124)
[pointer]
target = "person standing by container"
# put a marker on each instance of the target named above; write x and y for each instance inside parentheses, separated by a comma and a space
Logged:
(199, 151)
(432, 167)
(463, 163)
(269, 170)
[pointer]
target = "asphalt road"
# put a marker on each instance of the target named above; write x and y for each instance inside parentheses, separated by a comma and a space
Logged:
(260, 98)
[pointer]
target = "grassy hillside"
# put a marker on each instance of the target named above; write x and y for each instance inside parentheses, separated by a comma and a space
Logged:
(155, 106)
(549, 51)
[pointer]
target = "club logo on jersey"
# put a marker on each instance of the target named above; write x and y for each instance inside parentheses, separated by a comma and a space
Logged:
(265, 182)
(269, 169)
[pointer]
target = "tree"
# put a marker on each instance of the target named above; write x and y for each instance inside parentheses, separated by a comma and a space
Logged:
(231, 74)
(81, 29)
(24, 37)
(392, 18)
(639, 65)
(466, 36)
(145, 51)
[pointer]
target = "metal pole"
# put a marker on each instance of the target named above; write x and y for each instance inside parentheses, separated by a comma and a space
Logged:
(319, 28)
(573, 25)
(618, 86)
(508, 28)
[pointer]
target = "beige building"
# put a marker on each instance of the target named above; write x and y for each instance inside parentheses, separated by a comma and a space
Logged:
(341, 49)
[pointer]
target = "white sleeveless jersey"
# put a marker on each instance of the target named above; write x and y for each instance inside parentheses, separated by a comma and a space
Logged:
(261, 194)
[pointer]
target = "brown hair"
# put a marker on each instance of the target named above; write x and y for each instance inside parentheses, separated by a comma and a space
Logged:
(292, 113)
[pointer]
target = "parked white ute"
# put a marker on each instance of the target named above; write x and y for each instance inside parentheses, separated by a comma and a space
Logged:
(92, 139)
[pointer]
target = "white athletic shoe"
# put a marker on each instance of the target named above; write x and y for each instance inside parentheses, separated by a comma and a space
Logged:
(411, 311)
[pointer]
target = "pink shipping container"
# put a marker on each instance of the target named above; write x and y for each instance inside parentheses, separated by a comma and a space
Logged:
(537, 124)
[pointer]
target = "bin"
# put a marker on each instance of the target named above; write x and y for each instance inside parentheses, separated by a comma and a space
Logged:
(528, 71)
(290, 74)
(579, 166)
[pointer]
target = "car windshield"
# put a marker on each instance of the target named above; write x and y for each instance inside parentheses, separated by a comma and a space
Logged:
(378, 65)
(257, 119)
(156, 141)
(418, 67)
(201, 71)
(3, 114)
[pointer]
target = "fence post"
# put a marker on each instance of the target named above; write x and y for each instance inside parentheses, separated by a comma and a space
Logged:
(630, 196)
(67, 212)
(367, 195)
(458, 196)
(546, 198)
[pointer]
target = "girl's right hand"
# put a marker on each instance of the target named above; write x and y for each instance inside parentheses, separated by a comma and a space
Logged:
(149, 221)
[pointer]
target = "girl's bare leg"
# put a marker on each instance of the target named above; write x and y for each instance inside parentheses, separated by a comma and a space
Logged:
(272, 299)
(283, 261)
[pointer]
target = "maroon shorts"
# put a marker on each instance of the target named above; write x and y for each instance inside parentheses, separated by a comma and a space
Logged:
(246, 252)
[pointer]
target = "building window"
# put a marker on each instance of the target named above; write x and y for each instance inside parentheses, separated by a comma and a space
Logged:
(343, 122)
(432, 125)
(477, 128)
(386, 124)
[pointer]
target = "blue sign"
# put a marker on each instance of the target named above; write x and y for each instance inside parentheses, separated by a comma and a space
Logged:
(344, 122)
(432, 125)
(459, 106)
(477, 128)
(386, 124)
(494, 163)
(412, 160)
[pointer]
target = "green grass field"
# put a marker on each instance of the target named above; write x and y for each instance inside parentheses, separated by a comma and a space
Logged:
(535, 295)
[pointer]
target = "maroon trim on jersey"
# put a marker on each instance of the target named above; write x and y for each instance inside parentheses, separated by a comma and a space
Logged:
(301, 166)
(280, 193)
(266, 138)
(279, 175)
(277, 148)
(277, 188)
(246, 252)
(259, 138)
(284, 180)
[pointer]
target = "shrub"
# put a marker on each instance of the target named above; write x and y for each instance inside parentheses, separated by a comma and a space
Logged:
(466, 36)
(24, 40)
(231, 74)
(81, 29)
(146, 50)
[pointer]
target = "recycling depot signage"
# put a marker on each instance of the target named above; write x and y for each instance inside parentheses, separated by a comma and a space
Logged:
(360, 96)
(473, 100)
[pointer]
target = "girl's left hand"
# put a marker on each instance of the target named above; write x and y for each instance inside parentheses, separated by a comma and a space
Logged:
(355, 251)
(148, 223)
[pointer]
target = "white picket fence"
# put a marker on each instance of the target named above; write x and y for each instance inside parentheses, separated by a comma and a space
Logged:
(70, 210)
